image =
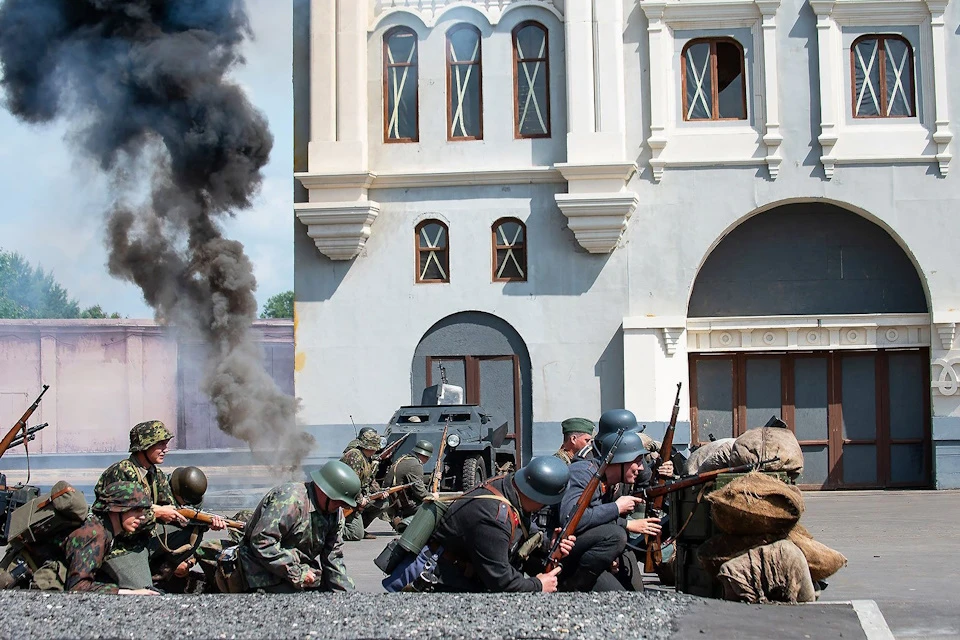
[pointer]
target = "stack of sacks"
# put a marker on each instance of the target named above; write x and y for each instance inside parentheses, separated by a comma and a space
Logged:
(710, 457)
(765, 443)
(763, 554)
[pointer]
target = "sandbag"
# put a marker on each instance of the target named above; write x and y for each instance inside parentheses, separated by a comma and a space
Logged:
(651, 445)
(765, 443)
(724, 547)
(775, 572)
(823, 561)
(710, 457)
(756, 504)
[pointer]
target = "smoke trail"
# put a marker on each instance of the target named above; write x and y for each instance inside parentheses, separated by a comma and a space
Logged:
(143, 84)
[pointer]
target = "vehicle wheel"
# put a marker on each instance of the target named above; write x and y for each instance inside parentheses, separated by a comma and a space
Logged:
(474, 473)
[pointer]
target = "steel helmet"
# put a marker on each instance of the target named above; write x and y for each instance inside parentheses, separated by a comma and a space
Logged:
(188, 484)
(630, 447)
(146, 434)
(615, 419)
(423, 447)
(543, 480)
(122, 496)
(338, 481)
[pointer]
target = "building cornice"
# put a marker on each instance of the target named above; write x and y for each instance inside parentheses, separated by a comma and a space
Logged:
(339, 229)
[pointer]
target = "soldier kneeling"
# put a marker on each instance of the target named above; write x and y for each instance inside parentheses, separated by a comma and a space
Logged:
(408, 470)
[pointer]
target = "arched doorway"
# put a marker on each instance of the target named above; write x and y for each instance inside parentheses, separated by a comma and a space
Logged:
(813, 313)
(487, 357)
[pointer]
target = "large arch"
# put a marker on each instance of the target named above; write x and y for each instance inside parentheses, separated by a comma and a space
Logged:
(818, 314)
(484, 354)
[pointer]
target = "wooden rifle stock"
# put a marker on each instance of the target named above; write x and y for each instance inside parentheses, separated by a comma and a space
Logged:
(21, 423)
(388, 451)
(554, 558)
(380, 495)
(654, 506)
(438, 469)
(207, 518)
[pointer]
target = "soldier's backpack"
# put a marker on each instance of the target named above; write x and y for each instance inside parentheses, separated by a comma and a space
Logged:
(62, 509)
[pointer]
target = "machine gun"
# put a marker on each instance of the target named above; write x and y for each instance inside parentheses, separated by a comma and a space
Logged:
(21, 425)
(207, 518)
(387, 452)
(29, 435)
(655, 505)
(380, 495)
(554, 557)
(438, 469)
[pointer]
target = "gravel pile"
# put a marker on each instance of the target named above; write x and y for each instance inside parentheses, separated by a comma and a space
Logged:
(650, 615)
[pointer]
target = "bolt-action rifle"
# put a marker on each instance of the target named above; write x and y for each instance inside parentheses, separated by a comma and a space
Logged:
(438, 469)
(655, 505)
(387, 452)
(29, 436)
(554, 557)
(380, 495)
(19, 430)
(207, 518)
(659, 491)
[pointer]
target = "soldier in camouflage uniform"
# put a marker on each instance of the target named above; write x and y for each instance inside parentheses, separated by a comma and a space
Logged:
(408, 469)
(128, 561)
(294, 539)
(120, 512)
(577, 434)
(355, 443)
(360, 459)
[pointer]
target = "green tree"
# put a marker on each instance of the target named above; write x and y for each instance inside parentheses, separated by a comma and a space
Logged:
(28, 292)
(278, 306)
(96, 312)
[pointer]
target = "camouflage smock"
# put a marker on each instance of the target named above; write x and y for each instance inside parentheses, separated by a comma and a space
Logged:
(364, 467)
(289, 535)
(84, 550)
(154, 482)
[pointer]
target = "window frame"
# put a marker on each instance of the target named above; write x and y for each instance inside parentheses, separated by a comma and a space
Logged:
(516, 79)
(418, 250)
(496, 246)
(449, 64)
(881, 37)
(386, 83)
(714, 89)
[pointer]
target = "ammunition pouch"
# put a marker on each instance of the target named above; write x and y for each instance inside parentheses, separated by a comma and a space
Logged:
(50, 576)
(529, 546)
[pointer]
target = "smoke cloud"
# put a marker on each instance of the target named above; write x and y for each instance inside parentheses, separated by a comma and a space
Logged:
(144, 85)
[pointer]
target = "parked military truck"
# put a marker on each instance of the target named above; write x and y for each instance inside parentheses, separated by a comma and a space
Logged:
(477, 448)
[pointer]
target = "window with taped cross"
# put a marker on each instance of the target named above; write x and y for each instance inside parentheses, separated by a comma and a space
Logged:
(464, 91)
(400, 92)
(713, 76)
(882, 77)
(509, 250)
(531, 56)
(433, 252)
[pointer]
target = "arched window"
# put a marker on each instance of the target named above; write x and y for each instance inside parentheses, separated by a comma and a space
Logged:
(713, 74)
(433, 252)
(400, 86)
(509, 250)
(464, 93)
(882, 77)
(531, 71)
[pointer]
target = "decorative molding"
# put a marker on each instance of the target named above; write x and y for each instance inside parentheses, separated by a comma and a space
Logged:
(339, 229)
(676, 143)
(947, 332)
(846, 140)
(431, 178)
(598, 219)
(808, 333)
(429, 12)
(671, 336)
(947, 381)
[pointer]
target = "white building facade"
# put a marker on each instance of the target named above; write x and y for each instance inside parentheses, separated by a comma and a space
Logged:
(573, 205)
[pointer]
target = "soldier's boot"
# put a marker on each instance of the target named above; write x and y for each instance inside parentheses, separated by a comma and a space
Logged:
(580, 581)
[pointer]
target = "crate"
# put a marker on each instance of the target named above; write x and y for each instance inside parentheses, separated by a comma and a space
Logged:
(691, 577)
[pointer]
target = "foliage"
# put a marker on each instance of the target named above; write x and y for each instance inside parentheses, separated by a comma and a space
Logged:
(96, 312)
(30, 293)
(279, 306)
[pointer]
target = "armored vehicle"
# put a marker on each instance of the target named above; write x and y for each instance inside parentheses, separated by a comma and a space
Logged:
(477, 446)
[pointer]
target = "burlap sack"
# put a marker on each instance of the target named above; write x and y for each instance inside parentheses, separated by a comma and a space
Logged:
(775, 572)
(765, 443)
(724, 547)
(651, 445)
(756, 504)
(823, 561)
(710, 457)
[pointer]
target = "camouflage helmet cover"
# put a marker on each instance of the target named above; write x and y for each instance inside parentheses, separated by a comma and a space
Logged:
(188, 484)
(338, 482)
(370, 440)
(364, 431)
(423, 448)
(122, 496)
(146, 434)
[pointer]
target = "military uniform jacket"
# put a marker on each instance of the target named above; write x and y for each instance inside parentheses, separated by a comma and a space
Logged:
(289, 535)
(82, 550)
(480, 539)
(154, 482)
(364, 467)
(404, 471)
(602, 508)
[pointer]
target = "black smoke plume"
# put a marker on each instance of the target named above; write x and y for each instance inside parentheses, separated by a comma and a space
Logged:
(144, 86)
